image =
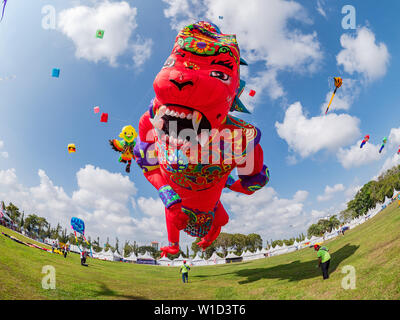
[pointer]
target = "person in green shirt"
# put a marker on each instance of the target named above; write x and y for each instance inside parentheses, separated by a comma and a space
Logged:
(185, 272)
(324, 258)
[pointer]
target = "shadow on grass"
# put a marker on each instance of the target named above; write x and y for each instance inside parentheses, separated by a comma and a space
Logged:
(296, 270)
(107, 292)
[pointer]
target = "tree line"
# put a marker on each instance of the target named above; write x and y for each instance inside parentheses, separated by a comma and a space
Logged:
(368, 197)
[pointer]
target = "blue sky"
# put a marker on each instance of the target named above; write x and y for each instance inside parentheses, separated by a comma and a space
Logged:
(293, 49)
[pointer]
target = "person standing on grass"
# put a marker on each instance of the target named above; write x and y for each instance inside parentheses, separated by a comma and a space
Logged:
(185, 272)
(324, 259)
(83, 258)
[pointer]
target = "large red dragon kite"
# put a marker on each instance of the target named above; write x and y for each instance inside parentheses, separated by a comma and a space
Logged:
(189, 143)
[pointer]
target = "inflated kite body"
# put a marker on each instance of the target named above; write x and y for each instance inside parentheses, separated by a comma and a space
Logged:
(125, 146)
(189, 144)
(78, 225)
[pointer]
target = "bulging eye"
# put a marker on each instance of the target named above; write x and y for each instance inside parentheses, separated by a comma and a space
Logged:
(219, 75)
(169, 63)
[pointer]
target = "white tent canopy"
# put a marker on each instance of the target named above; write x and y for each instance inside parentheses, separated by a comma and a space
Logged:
(215, 259)
(197, 260)
(164, 261)
(146, 256)
(131, 257)
(231, 255)
(178, 261)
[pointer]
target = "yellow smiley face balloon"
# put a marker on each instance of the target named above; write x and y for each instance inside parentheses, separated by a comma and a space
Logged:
(128, 133)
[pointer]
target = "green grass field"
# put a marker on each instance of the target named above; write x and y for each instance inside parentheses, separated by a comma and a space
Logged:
(372, 248)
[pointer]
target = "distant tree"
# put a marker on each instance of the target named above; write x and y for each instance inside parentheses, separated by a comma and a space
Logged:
(117, 244)
(239, 242)
(253, 242)
(42, 223)
(334, 223)
(21, 224)
(31, 222)
(316, 230)
(128, 249)
(224, 242)
(13, 212)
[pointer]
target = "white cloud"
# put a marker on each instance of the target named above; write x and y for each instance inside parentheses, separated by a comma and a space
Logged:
(361, 54)
(306, 136)
(263, 80)
(330, 191)
(320, 9)
(344, 96)
(151, 207)
(356, 156)
(8, 78)
(8, 178)
(3, 154)
(394, 137)
(264, 31)
(102, 200)
(351, 192)
(117, 19)
(318, 214)
(141, 52)
(265, 213)
(389, 163)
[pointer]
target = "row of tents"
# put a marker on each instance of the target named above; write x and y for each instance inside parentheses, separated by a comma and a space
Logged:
(146, 258)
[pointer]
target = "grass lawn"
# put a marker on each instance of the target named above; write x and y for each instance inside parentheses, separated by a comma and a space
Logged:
(372, 248)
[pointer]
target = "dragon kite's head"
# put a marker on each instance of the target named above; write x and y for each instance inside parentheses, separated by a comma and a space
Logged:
(128, 133)
(200, 81)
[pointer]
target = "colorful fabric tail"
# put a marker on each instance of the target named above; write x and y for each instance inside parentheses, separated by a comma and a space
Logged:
(4, 7)
(76, 239)
(329, 104)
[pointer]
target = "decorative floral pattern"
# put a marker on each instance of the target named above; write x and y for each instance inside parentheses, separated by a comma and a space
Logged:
(204, 38)
(199, 222)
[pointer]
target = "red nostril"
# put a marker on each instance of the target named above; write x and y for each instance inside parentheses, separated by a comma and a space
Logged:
(181, 85)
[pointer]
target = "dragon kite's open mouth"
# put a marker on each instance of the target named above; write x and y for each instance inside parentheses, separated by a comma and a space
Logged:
(180, 125)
